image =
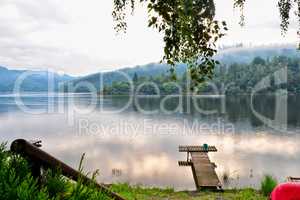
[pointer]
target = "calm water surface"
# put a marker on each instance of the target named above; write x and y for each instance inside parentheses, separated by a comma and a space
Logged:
(139, 145)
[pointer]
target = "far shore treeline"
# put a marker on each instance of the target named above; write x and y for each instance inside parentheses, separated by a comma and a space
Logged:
(236, 78)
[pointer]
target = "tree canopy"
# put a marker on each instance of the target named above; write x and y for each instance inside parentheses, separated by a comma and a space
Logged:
(190, 29)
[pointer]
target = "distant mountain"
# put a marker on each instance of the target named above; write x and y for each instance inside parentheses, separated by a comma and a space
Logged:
(247, 54)
(36, 81)
(226, 57)
(107, 78)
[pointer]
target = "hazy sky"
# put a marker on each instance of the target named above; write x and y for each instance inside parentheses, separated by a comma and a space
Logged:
(77, 36)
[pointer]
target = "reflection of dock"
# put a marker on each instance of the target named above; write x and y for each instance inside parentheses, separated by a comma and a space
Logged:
(203, 169)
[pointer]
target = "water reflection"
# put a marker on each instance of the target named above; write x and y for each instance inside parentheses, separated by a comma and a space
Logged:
(149, 155)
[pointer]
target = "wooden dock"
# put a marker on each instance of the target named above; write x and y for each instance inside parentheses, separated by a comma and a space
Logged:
(203, 169)
(293, 179)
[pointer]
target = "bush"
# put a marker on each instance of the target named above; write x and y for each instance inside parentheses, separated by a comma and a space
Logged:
(268, 183)
(17, 182)
(56, 184)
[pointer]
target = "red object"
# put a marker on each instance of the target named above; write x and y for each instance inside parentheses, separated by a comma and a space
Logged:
(286, 191)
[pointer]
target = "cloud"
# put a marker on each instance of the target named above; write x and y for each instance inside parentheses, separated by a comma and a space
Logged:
(19, 18)
(46, 10)
(72, 35)
(27, 55)
(77, 36)
(23, 27)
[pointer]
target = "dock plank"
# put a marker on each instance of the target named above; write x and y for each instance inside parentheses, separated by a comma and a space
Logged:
(197, 149)
(204, 170)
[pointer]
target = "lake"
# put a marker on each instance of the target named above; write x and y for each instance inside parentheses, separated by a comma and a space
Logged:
(136, 140)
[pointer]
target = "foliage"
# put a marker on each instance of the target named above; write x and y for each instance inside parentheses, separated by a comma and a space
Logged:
(268, 183)
(56, 184)
(241, 78)
(144, 85)
(16, 182)
(190, 30)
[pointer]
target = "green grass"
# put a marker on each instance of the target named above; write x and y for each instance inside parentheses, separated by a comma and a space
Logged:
(268, 183)
(140, 193)
(17, 183)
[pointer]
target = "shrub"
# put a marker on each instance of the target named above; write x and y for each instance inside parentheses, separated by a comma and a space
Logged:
(17, 182)
(268, 183)
(56, 184)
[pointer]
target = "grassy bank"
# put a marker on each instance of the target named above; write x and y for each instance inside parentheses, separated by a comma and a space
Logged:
(132, 193)
(17, 183)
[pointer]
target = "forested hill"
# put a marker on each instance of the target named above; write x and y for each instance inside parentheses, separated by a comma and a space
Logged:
(236, 61)
(108, 78)
(36, 81)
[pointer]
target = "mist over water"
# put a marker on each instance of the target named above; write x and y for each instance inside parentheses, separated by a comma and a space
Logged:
(131, 146)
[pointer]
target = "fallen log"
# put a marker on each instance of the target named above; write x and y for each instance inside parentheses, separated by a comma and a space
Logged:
(41, 159)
